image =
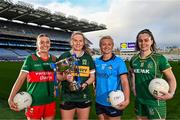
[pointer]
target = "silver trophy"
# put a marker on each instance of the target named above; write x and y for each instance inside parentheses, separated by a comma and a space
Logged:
(70, 66)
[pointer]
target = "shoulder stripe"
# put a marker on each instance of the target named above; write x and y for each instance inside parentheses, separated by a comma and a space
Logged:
(34, 57)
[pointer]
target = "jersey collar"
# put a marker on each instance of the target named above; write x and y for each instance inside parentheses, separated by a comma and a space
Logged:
(112, 58)
(80, 55)
(147, 56)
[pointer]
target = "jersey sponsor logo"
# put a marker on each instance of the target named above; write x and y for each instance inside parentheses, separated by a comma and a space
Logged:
(40, 76)
(37, 65)
(83, 70)
(46, 64)
(145, 71)
(103, 66)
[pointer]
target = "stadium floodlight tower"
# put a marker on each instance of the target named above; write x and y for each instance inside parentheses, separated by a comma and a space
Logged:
(44, 10)
(27, 5)
(84, 23)
(102, 26)
(73, 17)
(94, 23)
(60, 14)
(7, 1)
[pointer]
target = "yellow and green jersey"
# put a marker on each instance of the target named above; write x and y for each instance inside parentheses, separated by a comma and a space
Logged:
(86, 67)
(145, 70)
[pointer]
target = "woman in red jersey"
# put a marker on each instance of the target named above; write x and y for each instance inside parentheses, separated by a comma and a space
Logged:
(36, 69)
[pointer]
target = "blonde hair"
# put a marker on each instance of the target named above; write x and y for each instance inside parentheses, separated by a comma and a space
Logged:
(106, 37)
(39, 36)
(85, 48)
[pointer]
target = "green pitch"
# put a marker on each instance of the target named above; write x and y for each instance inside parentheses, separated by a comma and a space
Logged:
(9, 72)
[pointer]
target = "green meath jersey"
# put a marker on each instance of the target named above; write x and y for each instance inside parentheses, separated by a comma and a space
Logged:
(145, 70)
(40, 78)
(86, 66)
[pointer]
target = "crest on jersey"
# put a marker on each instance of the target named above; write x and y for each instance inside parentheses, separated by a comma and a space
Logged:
(84, 62)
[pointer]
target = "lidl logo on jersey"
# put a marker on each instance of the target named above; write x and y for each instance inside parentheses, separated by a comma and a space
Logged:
(145, 71)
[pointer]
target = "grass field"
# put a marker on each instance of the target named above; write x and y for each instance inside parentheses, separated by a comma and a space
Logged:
(10, 70)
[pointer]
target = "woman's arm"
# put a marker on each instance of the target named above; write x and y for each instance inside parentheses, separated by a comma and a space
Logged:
(126, 91)
(172, 84)
(89, 81)
(17, 85)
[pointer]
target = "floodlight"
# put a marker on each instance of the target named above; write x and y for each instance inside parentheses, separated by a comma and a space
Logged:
(44, 9)
(60, 14)
(72, 17)
(84, 20)
(21, 3)
(94, 23)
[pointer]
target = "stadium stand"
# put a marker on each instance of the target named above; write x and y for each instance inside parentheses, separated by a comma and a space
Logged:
(20, 24)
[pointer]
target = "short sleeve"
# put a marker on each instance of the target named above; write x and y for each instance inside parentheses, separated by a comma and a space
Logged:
(122, 67)
(26, 65)
(91, 62)
(163, 63)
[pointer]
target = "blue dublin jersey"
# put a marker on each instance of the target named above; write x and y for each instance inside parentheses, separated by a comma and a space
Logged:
(108, 77)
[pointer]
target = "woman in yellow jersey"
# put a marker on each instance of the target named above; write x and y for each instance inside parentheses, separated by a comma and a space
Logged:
(77, 99)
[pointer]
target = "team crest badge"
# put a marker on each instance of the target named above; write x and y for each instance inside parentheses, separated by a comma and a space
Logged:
(110, 67)
(84, 62)
(150, 65)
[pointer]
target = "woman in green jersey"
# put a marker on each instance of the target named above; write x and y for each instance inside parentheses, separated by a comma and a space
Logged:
(76, 100)
(40, 82)
(145, 66)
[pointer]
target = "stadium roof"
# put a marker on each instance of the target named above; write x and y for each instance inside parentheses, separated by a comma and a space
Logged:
(25, 12)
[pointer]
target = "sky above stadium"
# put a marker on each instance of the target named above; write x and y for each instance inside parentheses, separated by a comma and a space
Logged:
(123, 18)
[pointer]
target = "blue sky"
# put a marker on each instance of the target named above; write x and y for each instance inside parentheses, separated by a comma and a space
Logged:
(123, 18)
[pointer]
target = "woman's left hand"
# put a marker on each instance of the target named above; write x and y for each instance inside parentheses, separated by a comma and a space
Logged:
(84, 85)
(122, 105)
(164, 96)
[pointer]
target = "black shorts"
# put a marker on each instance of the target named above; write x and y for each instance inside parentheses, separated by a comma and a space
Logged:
(73, 105)
(108, 110)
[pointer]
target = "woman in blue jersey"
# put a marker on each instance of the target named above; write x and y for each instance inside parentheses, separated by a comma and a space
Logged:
(111, 75)
(145, 66)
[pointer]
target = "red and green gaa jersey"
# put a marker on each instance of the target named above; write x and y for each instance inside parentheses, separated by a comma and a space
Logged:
(40, 79)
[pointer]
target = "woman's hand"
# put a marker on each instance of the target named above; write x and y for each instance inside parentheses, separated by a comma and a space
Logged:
(84, 85)
(69, 77)
(165, 96)
(122, 105)
(12, 105)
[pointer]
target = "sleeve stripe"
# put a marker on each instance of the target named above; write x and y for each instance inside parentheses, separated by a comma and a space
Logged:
(25, 71)
(92, 71)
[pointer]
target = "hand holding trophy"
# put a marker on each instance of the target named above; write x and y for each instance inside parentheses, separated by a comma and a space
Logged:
(69, 68)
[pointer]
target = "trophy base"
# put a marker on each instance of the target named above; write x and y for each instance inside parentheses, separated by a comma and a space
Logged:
(73, 86)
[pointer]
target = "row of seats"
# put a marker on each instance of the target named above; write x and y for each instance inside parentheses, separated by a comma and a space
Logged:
(19, 54)
(34, 30)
